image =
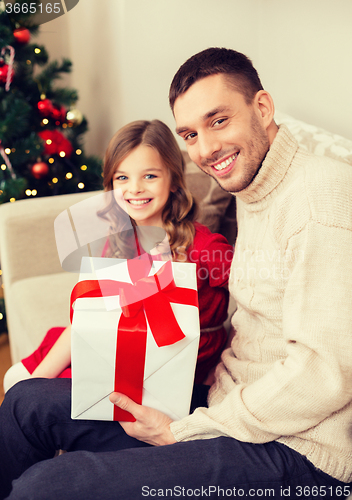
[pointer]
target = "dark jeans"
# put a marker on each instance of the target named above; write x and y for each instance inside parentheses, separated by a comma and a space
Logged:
(104, 463)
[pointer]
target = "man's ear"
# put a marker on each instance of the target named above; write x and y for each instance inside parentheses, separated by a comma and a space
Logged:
(265, 108)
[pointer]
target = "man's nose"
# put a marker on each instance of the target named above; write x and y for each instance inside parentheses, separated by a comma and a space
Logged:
(208, 145)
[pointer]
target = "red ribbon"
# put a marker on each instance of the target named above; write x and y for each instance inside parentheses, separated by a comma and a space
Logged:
(149, 297)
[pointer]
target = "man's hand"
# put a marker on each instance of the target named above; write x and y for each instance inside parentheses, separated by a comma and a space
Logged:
(151, 426)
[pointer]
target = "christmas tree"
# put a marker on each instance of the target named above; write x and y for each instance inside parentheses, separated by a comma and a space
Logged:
(41, 130)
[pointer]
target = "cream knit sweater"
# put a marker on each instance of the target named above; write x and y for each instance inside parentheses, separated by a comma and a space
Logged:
(288, 374)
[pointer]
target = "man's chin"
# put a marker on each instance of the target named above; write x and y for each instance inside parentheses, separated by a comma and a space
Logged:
(213, 176)
(227, 183)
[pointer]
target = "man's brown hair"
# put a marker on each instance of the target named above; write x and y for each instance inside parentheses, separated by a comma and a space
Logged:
(237, 67)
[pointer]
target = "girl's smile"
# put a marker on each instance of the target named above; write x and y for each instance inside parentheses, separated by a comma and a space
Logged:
(142, 185)
(139, 202)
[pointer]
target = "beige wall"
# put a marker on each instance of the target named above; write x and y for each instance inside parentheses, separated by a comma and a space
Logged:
(125, 53)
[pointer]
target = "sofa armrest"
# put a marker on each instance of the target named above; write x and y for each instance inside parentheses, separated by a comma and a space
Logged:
(27, 239)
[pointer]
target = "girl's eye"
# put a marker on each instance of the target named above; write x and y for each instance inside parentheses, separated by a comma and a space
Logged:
(150, 176)
(120, 178)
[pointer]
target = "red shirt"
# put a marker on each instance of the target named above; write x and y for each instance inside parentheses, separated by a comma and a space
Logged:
(212, 255)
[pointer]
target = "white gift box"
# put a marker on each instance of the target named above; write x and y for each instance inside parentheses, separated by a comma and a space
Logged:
(168, 370)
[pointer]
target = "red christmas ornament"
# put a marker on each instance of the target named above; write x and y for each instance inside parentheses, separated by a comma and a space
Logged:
(45, 107)
(40, 170)
(50, 110)
(58, 113)
(56, 143)
(4, 68)
(22, 35)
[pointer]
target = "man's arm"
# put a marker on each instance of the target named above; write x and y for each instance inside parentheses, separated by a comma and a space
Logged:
(312, 382)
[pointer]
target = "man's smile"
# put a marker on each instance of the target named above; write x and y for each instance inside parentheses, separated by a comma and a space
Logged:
(225, 165)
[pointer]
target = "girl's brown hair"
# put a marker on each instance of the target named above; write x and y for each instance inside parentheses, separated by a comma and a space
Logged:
(180, 210)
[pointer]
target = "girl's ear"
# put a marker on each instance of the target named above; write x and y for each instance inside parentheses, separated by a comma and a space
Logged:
(265, 108)
(173, 189)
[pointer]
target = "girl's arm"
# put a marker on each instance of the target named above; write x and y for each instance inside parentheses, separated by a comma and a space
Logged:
(57, 359)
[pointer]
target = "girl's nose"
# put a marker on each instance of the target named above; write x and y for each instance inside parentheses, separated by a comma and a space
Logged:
(136, 187)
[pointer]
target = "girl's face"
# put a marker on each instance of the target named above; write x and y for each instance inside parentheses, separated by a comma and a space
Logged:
(143, 183)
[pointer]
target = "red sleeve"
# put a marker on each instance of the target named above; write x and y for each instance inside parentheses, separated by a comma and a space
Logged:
(213, 255)
(105, 249)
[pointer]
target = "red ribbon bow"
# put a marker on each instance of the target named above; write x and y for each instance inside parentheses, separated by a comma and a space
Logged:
(149, 297)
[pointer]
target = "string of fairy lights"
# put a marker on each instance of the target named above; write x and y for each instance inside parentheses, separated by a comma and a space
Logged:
(65, 119)
(51, 160)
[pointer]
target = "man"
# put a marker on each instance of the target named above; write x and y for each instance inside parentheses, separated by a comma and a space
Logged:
(280, 411)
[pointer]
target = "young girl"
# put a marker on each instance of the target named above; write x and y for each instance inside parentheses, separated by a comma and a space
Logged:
(144, 164)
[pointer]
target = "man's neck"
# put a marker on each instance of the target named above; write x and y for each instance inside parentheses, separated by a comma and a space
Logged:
(272, 130)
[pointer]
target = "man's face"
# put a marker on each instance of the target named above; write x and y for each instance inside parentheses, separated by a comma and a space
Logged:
(224, 136)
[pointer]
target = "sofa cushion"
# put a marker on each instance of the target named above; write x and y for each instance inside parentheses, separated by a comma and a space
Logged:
(40, 292)
(316, 140)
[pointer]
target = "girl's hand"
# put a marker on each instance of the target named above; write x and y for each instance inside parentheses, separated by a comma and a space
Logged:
(151, 426)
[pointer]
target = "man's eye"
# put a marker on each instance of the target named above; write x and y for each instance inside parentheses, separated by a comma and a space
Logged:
(192, 135)
(219, 121)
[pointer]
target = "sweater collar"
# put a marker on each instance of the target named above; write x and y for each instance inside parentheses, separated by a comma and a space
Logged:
(273, 169)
